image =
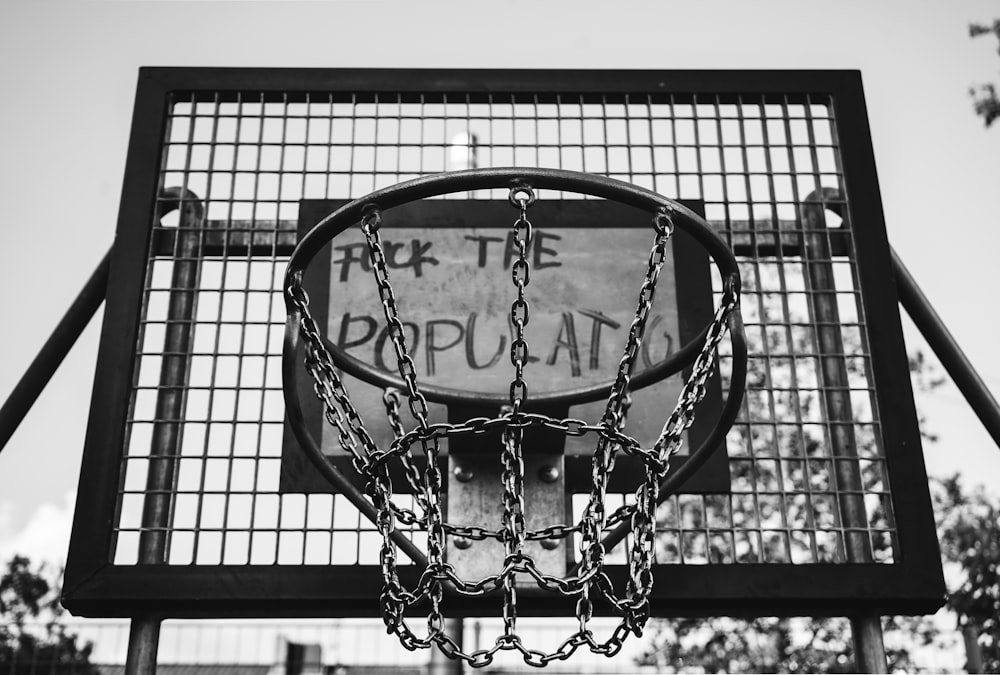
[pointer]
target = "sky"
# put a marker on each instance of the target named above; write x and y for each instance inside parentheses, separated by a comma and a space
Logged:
(68, 70)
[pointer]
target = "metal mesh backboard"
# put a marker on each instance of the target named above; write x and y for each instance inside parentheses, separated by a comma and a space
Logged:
(192, 497)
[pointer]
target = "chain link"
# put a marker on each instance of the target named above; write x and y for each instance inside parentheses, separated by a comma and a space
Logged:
(520, 272)
(632, 605)
(390, 397)
(512, 474)
(695, 387)
(430, 495)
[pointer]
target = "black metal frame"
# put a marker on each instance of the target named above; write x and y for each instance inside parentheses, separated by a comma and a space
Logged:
(94, 586)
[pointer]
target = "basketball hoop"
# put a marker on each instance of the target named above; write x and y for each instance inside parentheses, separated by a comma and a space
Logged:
(588, 583)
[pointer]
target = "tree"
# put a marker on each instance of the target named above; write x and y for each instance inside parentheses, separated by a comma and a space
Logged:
(969, 533)
(32, 639)
(984, 96)
(763, 645)
(968, 526)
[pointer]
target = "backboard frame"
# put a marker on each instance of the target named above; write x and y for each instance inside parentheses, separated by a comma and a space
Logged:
(95, 586)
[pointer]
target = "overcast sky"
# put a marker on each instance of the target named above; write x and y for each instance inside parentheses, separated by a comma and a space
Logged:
(68, 70)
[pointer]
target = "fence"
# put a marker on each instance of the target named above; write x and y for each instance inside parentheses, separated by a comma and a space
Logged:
(351, 646)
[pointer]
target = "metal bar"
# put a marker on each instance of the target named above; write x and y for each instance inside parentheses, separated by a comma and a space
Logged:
(167, 432)
(294, 83)
(261, 237)
(941, 341)
(973, 653)
(144, 635)
(143, 643)
(441, 664)
(52, 353)
(318, 591)
(868, 644)
(836, 393)
(867, 629)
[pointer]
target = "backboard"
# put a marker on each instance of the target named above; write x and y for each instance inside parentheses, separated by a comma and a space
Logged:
(453, 258)
(194, 497)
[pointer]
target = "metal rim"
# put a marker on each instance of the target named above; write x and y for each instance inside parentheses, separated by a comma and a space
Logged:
(502, 178)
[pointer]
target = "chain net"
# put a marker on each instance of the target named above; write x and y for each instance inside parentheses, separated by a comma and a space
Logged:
(588, 581)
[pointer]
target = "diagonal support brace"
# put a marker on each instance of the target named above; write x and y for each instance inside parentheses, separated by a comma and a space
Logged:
(943, 344)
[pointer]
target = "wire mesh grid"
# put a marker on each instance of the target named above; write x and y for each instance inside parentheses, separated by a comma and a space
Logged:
(808, 476)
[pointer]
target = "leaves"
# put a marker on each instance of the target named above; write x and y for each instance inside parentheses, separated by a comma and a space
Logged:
(763, 645)
(969, 533)
(22, 592)
(31, 638)
(968, 524)
(985, 101)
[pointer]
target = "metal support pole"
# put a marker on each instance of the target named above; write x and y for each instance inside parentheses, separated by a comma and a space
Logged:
(143, 642)
(52, 353)
(168, 429)
(868, 644)
(867, 629)
(947, 350)
(441, 664)
(169, 425)
(973, 654)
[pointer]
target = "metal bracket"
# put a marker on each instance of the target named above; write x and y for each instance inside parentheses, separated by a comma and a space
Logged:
(475, 493)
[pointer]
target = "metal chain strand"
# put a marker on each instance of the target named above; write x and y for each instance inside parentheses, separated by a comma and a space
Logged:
(591, 549)
(372, 463)
(512, 474)
(328, 386)
(521, 196)
(390, 397)
(371, 224)
(694, 389)
(663, 224)
(512, 519)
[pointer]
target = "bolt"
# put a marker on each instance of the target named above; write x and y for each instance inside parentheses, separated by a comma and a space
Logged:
(550, 544)
(548, 474)
(463, 474)
(462, 543)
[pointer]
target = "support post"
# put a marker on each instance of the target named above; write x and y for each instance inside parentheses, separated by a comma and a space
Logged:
(52, 353)
(143, 642)
(168, 430)
(973, 654)
(441, 664)
(866, 628)
(869, 648)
